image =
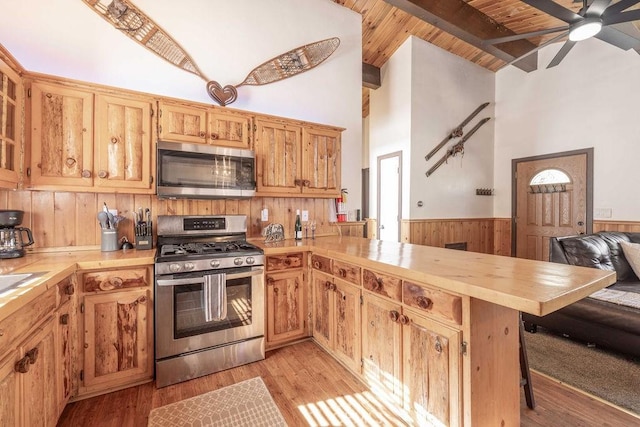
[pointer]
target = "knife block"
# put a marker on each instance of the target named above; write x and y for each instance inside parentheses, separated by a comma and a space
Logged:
(144, 237)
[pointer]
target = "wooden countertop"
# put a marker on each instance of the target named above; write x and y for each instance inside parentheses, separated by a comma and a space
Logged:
(535, 287)
(57, 266)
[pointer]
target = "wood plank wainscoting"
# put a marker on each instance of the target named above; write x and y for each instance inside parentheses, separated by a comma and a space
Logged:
(486, 235)
(68, 219)
(626, 226)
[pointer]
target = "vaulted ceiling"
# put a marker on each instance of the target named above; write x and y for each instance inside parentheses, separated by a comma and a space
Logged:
(455, 25)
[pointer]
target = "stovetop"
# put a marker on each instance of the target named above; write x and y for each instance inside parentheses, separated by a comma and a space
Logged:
(214, 249)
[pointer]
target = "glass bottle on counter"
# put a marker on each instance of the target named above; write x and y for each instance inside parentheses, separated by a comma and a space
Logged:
(298, 226)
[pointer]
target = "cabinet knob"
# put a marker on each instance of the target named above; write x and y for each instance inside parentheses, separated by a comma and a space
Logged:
(394, 315)
(142, 300)
(317, 265)
(116, 282)
(270, 281)
(64, 319)
(86, 173)
(327, 285)
(70, 161)
(203, 134)
(306, 183)
(103, 174)
(69, 290)
(404, 320)
(214, 136)
(332, 287)
(22, 365)
(33, 355)
(424, 303)
(343, 272)
(114, 140)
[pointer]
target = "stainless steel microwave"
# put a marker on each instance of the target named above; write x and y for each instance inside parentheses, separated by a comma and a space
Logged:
(202, 171)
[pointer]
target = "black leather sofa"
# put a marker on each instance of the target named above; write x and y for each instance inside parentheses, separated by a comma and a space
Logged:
(606, 324)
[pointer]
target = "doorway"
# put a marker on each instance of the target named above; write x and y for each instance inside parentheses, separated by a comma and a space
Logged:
(389, 196)
(552, 196)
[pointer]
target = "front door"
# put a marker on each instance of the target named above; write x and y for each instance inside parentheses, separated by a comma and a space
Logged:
(552, 194)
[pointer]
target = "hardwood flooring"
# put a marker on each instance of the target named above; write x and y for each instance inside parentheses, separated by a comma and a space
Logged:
(312, 389)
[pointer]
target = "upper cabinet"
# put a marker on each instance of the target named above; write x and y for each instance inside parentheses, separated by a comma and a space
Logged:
(11, 101)
(297, 158)
(204, 125)
(68, 152)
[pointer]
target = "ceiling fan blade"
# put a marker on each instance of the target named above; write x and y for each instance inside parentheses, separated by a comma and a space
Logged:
(515, 37)
(632, 15)
(537, 48)
(554, 9)
(597, 8)
(618, 38)
(566, 47)
(619, 7)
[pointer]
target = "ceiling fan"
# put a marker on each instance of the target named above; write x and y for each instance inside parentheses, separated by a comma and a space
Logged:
(602, 19)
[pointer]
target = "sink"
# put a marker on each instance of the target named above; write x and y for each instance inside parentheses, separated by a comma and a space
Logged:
(11, 281)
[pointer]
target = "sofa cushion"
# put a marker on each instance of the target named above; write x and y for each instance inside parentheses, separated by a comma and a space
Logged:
(613, 239)
(634, 237)
(588, 251)
(632, 252)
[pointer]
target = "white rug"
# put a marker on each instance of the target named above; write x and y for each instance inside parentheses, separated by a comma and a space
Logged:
(629, 299)
(245, 404)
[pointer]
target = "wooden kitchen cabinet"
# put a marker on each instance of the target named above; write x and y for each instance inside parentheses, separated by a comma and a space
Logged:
(117, 329)
(9, 390)
(123, 144)
(336, 323)
(296, 158)
(11, 102)
(195, 124)
(67, 153)
(66, 350)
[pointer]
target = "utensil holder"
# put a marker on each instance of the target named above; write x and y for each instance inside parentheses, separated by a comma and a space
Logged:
(109, 240)
(144, 237)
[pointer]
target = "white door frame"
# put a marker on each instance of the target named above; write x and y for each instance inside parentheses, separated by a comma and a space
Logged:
(397, 154)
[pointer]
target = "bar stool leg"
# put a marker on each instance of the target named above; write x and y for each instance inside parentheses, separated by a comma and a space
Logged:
(524, 370)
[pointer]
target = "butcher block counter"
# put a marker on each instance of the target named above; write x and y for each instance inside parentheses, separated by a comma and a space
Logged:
(442, 324)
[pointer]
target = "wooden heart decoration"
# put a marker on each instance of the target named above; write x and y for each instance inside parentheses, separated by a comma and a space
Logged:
(222, 95)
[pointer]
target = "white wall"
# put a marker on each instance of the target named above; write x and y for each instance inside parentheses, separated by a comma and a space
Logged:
(589, 100)
(227, 39)
(425, 93)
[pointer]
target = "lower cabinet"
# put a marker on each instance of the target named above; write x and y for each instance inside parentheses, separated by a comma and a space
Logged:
(412, 360)
(336, 321)
(287, 306)
(9, 390)
(117, 330)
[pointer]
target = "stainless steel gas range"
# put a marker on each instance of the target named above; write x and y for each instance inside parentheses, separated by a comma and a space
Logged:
(209, 297)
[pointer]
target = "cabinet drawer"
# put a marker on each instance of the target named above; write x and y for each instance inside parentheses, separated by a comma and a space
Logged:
(385, 285)
(17, 324)
(66, 288)
(321, 263)
(433, 301)
(284, 262)
(348, 272)
(99, 281)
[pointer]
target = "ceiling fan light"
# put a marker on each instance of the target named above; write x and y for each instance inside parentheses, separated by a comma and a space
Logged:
(585, 29)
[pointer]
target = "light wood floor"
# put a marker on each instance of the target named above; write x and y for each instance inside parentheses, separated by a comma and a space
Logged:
(311, 388)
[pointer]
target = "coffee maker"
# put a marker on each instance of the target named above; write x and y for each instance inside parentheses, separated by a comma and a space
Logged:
(11, 236)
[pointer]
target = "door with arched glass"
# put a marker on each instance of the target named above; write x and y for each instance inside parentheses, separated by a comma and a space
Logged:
(551, 200)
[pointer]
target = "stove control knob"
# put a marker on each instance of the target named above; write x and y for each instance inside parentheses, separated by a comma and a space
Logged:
(238, 261)
(215, 263)
(250, 260)
(174, 268)
(189, 266)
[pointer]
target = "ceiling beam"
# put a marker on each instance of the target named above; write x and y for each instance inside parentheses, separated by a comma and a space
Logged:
(370, 76)
(467, 23)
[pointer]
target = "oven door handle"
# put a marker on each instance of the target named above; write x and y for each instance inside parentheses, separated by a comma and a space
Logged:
(200, 280)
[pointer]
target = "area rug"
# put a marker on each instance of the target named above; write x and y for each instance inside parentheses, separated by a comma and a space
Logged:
(245, 404)
(607, 375)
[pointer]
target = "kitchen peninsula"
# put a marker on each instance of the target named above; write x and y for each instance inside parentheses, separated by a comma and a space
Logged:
(423, 317)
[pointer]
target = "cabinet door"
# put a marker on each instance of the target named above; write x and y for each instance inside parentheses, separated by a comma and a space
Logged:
(65, 354)
(346, 329)
(179, 123)
(286, 307)
(432, 371)
(117, 339)
(39, 403)
(382, 346)
(321, 162)
(61, 136)
(123, 144)
(9, 391)
(11, 101)
(322, 285)
(278, 157)
(229, 129)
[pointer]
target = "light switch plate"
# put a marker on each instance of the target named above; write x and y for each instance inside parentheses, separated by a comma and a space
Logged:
(264, 214)
(305, 216)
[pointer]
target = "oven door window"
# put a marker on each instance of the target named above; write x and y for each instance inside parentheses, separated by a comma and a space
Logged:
(190, 308)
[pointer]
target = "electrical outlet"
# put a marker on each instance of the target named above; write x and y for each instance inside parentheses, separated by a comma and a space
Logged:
(264, 214)
(603, 213)
(305, 216)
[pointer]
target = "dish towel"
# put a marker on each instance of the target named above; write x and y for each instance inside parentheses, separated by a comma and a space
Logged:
(214, 292)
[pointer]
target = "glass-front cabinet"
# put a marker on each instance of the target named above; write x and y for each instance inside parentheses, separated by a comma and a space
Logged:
(10, 125)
